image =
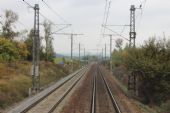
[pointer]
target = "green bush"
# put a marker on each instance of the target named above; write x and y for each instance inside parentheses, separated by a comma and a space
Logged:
(153, 59)
(8, 51)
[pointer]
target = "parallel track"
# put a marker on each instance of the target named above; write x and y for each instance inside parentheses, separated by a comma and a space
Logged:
(81, 73)
(113, 100)
(65, 94)
(93, 101)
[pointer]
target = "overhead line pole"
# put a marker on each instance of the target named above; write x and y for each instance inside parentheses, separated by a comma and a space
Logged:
(111, 53)
(132, 33)
(102, 54)
(132, 78)
(84, 55)
(71, 52)
(110, 35)
(72, 35)
(36, 49)
(105, 52)
(79, 54)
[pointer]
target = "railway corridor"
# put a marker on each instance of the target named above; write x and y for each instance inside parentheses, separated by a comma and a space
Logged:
(90, 90)
(103, 101)
(106, 100)
(92, 96)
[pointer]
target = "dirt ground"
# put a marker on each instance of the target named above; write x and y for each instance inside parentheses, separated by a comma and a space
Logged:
(127, 105)
(80, 100)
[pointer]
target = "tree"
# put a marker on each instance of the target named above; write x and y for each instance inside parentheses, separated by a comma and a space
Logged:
(119, 43)
(7, 31)
(22, 50)
(8, 51)
(48, 39)
(29, 44)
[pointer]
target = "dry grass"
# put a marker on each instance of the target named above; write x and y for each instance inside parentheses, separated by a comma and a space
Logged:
(15, 80)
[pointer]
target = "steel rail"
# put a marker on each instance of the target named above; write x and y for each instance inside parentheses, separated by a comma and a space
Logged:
(66, 93)
(38, 101)
(93, 101)
(114, 102)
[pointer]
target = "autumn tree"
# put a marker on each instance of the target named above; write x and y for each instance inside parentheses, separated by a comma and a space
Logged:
(10, 18)
(119, 43)
(8, 51)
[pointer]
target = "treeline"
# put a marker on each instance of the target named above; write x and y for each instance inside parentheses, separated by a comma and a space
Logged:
(152, 59)
(13, 47)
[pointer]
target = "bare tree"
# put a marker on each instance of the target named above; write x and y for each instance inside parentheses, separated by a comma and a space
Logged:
(119, 43)
(10, 18)
(48, 38)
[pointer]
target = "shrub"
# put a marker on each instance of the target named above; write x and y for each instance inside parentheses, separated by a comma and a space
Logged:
(22, 49)
(153, 59)
(8, 51)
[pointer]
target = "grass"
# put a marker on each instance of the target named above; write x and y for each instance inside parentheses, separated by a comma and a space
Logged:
(58, 60)
(163, 108)
(15, 80)
(143, 107)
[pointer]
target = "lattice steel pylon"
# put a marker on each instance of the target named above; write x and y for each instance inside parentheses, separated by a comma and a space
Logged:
(132, 77)
(132, 27)
(36, 52)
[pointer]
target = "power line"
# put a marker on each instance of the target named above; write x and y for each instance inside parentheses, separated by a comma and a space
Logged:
(104, 16)
(46, 18)
(116, 33)
(107, 15)
(60, 29)
(58, 15)
(28, 4)
(143, 5)
(22, 24)
(123, 29)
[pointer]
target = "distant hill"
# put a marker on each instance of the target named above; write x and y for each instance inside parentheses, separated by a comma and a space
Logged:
(59, 55)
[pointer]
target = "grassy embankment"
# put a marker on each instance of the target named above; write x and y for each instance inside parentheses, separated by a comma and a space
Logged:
(15, 80)
(122, 83)
(151, 63)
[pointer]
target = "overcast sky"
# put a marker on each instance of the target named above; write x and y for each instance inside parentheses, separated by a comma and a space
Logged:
(86, 17)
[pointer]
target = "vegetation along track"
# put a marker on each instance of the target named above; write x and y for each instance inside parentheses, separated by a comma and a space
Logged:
(52, 99)
(102, 98)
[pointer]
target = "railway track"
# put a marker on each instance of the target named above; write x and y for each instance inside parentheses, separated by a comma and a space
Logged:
(99, 95)
(48, 102)
(93, 101)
